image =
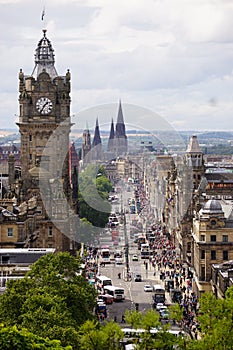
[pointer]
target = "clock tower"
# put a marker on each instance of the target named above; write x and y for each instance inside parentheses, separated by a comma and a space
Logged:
(44, 115)
(44, 108)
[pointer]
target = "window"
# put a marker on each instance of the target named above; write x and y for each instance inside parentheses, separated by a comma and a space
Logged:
(30, 156)
(225, 238)
(202, 254)
(225, 255)
(50, 231)
(213, 255)
(10, 232)
(30, 137)
(202, 238)
(202, 273)
(213, 238)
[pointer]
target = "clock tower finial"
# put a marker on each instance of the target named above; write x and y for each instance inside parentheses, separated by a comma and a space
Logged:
(44, 58)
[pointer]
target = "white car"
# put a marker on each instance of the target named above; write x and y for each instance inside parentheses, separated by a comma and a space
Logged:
(160, 307)
(148, 288)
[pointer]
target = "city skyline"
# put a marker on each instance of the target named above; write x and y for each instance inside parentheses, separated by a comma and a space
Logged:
(171, 58)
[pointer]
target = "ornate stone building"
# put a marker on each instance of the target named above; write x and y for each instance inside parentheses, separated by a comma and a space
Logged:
(212, 241)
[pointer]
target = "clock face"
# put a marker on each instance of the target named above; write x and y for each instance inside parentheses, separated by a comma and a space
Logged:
(44, 105)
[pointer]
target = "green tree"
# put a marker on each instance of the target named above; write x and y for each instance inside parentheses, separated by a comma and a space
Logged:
(93, 336)
(13, 338)
(52, 300)
(216, 322)
(94, 187)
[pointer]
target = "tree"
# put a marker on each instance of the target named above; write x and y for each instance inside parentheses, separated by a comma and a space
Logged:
(53, 300)
(93, 336)
(94, 187)
(13, 338)
(216, 322)
(154, 336)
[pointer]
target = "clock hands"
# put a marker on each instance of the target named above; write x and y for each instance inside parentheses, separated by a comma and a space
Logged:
(44, 106)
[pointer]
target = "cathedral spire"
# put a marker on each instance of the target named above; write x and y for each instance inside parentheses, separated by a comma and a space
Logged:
(44, 58)
(96, 139)
(121, 142)
(96, 144)
(111, 138)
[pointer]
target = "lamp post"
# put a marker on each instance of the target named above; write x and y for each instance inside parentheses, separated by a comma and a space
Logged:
(126, 248)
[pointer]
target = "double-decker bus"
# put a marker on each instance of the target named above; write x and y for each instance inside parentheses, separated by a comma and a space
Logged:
(141, 240)
(118, 293)
(145, 251)
(103, 281)
(105, 254)
(159, 294)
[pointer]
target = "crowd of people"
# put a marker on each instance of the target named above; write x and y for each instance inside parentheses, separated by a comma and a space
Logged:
(166, 265)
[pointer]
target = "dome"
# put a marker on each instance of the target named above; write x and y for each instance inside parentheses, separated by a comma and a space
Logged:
(212, 206)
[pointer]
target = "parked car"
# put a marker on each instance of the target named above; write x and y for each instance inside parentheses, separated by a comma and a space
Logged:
(148, 288)
(135, 257)
(138, 278)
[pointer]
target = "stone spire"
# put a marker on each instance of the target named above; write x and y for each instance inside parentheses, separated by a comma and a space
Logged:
(121, 142)
(86, 146)
(193, 146)
(96, 144)
(195, 161)
(111, 145)
(44, 58)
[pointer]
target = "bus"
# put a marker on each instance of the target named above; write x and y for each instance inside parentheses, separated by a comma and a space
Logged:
(159, 294)
(141, 240)
(145, 251)
(103, 281)
(118, 293)
(132, 334)
(105, 254)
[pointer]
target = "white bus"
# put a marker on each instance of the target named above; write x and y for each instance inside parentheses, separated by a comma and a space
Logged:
(118, 293)
(132, 333)
(145, 251)
(105, 255)
(103, 281)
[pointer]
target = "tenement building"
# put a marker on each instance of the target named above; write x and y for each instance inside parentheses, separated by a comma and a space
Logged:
(197, 212)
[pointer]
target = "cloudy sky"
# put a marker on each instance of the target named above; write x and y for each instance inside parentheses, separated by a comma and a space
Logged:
(173, 58)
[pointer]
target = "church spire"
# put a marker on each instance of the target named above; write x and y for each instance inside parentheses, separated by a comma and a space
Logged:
(121, 142)
(111, 138)
(96, 139)
(96, 144)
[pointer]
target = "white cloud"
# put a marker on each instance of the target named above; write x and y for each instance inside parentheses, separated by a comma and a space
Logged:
(172, 56)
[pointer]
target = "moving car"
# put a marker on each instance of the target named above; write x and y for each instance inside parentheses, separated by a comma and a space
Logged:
(148, 288)
(138, 278)
(135, 257)
(164, 314)
(160, 307)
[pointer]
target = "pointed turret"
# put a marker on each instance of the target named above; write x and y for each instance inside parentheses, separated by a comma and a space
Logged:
(86, 146)
(111, 147)
(193, 146)
(96, 144)
(121, 142)
(195, 160)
